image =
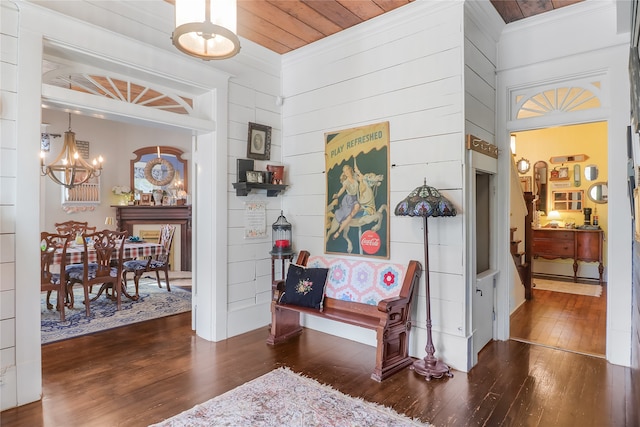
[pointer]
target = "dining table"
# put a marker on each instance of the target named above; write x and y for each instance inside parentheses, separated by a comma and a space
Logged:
(132, 250)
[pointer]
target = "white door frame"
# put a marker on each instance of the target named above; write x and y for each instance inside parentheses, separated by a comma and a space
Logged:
(479, 163)
(211, 296)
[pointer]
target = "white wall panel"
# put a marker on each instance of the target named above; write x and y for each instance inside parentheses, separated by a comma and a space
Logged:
(8, 163)
(244, 319)
(589, 25)
(390, 39)
(8, 77)
(306, 184)
(442, 147)
(9, 19)
(424, 100)
(480, 88)
(9, 49)
(480, 115)
(7, 305)
(436, 69)
(8, 188)
(8, 134)
(242, 292)
(7, 276)
(414, 80)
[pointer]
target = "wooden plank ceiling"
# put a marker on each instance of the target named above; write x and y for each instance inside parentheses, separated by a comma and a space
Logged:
(286, 25)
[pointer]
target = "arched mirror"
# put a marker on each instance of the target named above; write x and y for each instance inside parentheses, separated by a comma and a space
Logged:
(591, 172)
(523, 165)
(540, 169)
(598, 192)
(159, 167)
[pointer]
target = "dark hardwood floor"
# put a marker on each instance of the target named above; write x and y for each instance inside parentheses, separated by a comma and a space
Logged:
(143, 373)
(565, 321)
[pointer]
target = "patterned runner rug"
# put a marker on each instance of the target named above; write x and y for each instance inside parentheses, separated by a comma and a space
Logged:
(154, 302)
(283, 398)
(567, 287)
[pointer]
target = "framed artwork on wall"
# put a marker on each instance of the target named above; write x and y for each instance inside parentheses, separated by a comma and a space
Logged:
(259, 142)
(356, 215)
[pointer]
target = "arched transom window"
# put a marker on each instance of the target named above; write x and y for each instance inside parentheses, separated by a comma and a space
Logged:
(557, 100)
(117, 87)
(575, 100)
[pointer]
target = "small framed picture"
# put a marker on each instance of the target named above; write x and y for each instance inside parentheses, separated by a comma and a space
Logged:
(563, 173)
(145, 199)
(165, 201)
(254, 176)
(259, 142)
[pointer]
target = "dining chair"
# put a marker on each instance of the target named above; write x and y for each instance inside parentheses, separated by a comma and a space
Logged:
(157, 263)
(50, 279)
(106, 245)
(71, 227)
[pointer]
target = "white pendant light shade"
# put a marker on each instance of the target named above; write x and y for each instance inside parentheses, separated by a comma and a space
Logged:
(206, 28)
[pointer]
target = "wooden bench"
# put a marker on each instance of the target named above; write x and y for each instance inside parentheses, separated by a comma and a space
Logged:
(389, 317)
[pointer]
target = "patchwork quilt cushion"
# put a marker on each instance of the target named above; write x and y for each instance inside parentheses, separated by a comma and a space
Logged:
(366, 282)
(304, 286)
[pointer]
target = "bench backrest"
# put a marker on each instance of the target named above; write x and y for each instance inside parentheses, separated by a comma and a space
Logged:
(365, 282)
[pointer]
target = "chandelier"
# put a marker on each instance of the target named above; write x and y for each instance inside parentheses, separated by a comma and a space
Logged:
(206, 28)
(69, 169)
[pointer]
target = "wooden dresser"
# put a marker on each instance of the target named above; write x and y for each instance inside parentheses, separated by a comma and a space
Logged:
(579, 245)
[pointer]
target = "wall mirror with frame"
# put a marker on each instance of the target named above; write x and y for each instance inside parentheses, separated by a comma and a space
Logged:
(523, 165)
(598, 192)
(591, 172)
(540, 169)
(159, 167)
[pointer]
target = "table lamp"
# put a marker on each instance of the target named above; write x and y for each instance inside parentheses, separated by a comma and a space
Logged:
(554, 217)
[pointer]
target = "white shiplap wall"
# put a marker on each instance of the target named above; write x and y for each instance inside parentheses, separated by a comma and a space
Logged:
(8, 166)
(405, 67)
(251, 99)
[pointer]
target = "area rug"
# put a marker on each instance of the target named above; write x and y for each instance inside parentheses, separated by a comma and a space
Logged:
(568, 287)
(283, 398)
(154, 302)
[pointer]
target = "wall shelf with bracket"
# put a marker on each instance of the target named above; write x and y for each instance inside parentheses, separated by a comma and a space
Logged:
(244, 188)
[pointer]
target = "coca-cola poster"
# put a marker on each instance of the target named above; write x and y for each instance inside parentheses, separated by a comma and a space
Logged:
(357, 198)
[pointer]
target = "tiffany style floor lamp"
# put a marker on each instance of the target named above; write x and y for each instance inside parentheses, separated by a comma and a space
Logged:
(426, 201)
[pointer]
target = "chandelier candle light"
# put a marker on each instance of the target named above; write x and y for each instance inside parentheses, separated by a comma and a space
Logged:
(206, 28)
(69, 169)
(426, 201)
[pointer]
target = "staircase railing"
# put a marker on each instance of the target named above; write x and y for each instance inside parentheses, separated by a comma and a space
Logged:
(522, 203)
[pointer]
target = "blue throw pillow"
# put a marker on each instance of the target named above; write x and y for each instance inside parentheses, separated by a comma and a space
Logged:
(305, 286)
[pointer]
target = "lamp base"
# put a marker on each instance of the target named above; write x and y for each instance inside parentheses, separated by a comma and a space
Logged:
(431, 368)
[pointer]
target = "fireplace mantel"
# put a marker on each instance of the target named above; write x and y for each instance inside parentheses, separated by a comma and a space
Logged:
(128, 216)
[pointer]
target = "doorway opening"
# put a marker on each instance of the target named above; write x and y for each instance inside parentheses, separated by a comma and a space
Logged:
(117, 141)
(568, 306)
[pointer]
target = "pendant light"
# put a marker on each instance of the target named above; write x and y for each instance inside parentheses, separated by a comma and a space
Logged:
(69, 169)
(206, 28)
